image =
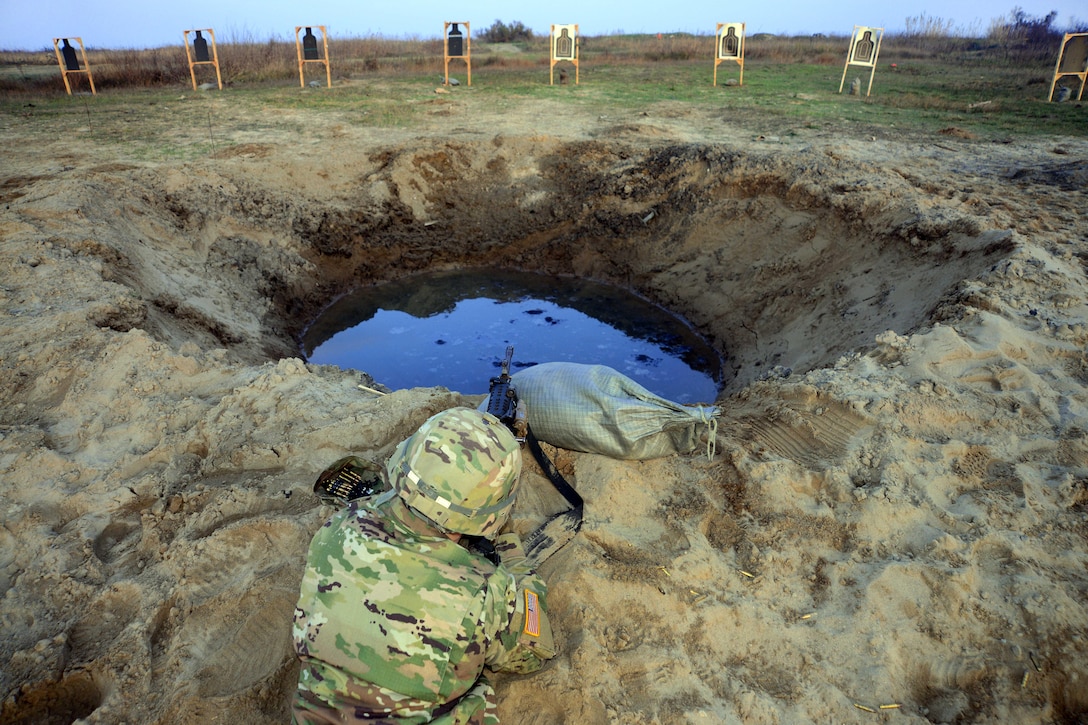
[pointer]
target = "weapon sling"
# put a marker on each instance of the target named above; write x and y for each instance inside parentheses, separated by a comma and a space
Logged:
(553, 534)
(558, 530)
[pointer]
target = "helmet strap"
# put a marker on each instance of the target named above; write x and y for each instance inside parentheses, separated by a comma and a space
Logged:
(415, 519)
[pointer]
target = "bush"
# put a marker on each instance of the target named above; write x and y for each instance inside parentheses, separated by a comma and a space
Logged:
(1027, 36)
(500, 32)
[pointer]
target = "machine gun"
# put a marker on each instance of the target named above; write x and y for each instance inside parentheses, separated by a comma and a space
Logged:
(503, 403)
(559, 529)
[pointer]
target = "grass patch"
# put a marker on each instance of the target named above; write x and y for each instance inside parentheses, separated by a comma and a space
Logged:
(986, 89)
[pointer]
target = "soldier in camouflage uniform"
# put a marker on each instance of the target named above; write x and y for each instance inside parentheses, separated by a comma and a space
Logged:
(397, 620)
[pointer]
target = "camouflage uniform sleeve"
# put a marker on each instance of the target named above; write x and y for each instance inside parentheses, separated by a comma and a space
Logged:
(525, 642)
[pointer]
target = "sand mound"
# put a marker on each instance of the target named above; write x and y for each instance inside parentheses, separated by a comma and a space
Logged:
(896, 514)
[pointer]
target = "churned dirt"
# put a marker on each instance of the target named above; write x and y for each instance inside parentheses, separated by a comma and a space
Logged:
(893, 526)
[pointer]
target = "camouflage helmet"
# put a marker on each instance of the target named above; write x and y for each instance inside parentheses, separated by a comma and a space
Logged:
(460, 470)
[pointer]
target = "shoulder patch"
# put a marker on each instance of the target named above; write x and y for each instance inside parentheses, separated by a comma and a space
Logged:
(532, 614)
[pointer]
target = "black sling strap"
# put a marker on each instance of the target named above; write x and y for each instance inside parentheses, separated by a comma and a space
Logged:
(558, 530)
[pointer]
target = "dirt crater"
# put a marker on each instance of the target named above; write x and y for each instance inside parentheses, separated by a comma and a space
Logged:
(176, 451)
(811, 257)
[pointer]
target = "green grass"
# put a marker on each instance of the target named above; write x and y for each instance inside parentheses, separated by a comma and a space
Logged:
(962, 88)
(926, 96)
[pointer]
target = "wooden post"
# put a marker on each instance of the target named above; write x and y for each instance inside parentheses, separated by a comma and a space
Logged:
(462, 43)
(1072, 61)
(729, 46)
(565, 42)
(203, 57)
(66, 58)
(864, 51)
(311, 50)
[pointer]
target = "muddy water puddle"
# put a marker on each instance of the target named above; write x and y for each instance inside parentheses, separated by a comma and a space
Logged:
(451, 329)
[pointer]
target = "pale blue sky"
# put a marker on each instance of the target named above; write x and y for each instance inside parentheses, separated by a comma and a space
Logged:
(32, 25)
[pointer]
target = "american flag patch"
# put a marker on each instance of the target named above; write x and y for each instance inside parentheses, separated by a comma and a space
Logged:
(532, 614)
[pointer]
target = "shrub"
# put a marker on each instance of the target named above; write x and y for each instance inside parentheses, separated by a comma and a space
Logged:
(500, 32)
(1026, 36)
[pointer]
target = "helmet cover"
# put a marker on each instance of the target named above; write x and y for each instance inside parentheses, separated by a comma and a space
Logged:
(460, 470)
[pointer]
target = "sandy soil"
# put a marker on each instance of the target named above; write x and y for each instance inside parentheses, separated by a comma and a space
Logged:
(894, 526)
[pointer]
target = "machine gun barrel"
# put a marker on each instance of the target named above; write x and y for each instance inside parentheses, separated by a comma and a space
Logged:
(503, 403)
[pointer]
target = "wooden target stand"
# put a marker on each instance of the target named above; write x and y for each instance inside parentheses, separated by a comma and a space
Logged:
(306, 46)
(456, 44)
(69, 62)
(1072, 62)
(565, 43)
(729, 46)
(198, 54)
(864, 50)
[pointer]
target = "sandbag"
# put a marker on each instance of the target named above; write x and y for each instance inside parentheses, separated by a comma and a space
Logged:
(595, 409)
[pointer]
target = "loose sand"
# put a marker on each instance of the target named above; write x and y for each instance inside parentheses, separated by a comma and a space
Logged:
(894, 525)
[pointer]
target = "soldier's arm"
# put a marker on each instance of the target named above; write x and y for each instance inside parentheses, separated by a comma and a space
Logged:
(525, 641)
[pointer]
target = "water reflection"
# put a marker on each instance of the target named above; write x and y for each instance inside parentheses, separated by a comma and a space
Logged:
(452, 328)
